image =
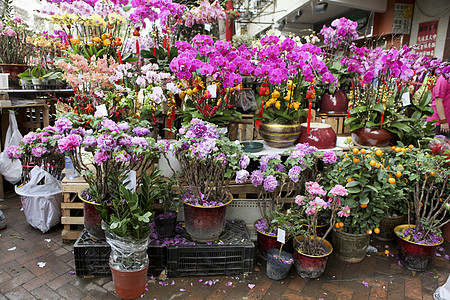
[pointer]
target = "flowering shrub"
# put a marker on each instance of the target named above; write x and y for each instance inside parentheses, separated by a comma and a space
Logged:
(286, 69)
(207, 162)
(204, 66)
(342, 35)
(309, 208)
(14, 48)
(204, 13)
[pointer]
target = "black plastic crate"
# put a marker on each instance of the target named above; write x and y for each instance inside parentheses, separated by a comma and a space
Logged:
(92, 258)
(233, 253)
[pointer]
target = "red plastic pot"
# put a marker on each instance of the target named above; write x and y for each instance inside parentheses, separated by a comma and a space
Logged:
(129, 284)
(373, 137)
(334, 104)
(321, 136)
(413, 256)
(92, 219)
(265, 241)
(310, 266)
(205, 224)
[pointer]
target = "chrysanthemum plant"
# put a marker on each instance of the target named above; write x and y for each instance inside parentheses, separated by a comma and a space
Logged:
(208, 160)
(285, 71)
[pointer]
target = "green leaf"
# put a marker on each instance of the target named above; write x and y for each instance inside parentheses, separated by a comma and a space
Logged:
(354, 190)
(401, 126)
(352, 184)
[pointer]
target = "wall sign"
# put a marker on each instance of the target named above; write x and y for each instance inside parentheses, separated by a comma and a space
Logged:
(402, 18)
(426, 38)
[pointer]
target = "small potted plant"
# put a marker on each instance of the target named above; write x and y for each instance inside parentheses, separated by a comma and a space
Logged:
(310, 250)
(417, 242)
(127, 232)
(207, 161)
(166, 215)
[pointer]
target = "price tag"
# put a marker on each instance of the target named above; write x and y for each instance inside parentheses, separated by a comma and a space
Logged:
(208, 27)
(405, 99)
(281, 236)
(212, 89)
(101, 111)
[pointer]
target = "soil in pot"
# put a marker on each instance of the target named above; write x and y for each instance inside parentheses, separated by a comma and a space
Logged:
(165, 223)
(311, 266)
(278, 266)
(414, 256)
(129, 284)
(350, 247)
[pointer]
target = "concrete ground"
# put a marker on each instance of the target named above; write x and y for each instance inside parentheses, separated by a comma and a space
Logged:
(23, 250)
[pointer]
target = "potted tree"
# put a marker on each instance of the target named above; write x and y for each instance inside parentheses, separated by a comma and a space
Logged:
(311, 251)
(166, 215)
(417, 242)
(207, 161)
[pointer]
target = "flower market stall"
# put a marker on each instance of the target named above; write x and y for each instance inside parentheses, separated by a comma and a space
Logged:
(146, 71)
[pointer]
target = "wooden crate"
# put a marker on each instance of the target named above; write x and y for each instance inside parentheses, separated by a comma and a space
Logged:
(337, 123)
(243, 130)
(72, 208)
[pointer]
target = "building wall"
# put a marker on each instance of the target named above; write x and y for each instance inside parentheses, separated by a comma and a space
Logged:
(425, 11)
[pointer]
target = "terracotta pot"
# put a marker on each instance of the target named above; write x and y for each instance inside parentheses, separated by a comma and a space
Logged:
(413, 256)
(205, 224)
(310, 266)
(387, 225)
(350, 247)
(279, 135)
(373, 137)
(334, 104)
(321, 136)
(129, 284)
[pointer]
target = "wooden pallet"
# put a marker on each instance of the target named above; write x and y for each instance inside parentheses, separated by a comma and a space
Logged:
(337, 123)
(72, 208)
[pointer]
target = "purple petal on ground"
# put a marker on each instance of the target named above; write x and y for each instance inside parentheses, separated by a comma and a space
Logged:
(437, 254)
(446, 257)
(173, 282)
(365, 283)
(71, 272)
(251, 286)
(229, 283)
(200, 280)
(441, 249)
(182, 290)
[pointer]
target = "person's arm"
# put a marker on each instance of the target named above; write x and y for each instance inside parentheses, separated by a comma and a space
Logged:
(441, 113)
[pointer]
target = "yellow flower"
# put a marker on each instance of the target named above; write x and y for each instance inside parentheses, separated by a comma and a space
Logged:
(276, 94)
(278, 104)
(96, 39)
(74, 41)
(106, 42)
(104, 36)
(296, 105)
(189, 92)
(291, 85)
(270, 102)
(288, 96)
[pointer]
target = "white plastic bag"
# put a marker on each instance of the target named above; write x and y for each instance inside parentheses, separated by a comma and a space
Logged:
(11, 170)
(41, 203)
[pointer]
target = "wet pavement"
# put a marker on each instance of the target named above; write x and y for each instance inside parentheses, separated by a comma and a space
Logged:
(23, 274)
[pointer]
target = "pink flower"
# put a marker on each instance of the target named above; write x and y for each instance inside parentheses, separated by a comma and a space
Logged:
(100, 157)
(339, 190)
(314, 188)
(14, 152)
(299, 199)
(242, 176)
(38, 151)
(69, 143)
(345, 212)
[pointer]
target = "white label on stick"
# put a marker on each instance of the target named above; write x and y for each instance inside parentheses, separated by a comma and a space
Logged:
(212, 89)
(208, 27)
(405, 99)
(281, 236)
(101, 111)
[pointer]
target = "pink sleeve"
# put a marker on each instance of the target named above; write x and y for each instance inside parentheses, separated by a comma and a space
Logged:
(440, 89)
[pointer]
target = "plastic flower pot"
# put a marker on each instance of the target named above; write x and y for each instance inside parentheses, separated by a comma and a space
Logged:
(278, 269)
(279, 135)
(165, 226)
(310, 266)
(414, 256)
(129, 284)
(387, 226)
(350, 247)
(204, 223)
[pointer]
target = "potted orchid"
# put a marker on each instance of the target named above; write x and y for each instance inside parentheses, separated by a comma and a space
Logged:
(310, 250)
(286, 70)
(210, 72)
(207, 161)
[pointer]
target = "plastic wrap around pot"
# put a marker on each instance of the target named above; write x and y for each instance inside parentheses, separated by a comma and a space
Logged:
(127, 254)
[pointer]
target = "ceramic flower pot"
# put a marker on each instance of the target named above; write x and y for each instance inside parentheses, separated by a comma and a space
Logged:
(165, 226)
(92, 219)
(373, 137)
(350, 247)
(413, 256)
(278, 269)
(265, 241)
(310, 266)
(334, 104)
(279, 135)
(321, 136)
(446, 232)
(387, 225)
(205, 224)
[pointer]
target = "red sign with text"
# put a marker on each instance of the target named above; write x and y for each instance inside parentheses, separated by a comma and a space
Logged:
(426, 38)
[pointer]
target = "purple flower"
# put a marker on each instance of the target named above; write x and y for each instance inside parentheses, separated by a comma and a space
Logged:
(63, 124)
(100, 157)
(256, 178)
(270, 183)
(69, 143)
(294, 173)
(14, 152)
(163, 145)
(38, 151)
(80, 131)
(106, 142)
(124, 140)
(110, 125)
(29, 138)
(244, 162)
(329, 157)
(139, 141)
(123, 126)
(242, 176)
(141, 131)
(122, 156)
(90, 141)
